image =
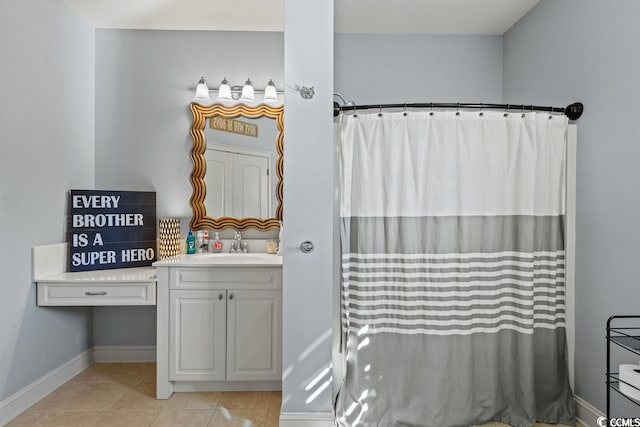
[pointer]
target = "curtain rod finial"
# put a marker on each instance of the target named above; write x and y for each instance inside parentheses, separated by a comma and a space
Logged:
(336, 109)
(574, 111)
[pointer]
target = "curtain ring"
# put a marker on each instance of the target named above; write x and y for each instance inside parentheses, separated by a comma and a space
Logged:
(380, 111)
(458, 112)
(506, 111)
(431, 112)
(405, 110)
(522, 106)
(481, 109)
(550, 113)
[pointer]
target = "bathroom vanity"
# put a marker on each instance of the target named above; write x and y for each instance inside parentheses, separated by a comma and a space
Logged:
(219, 323)
(219, 315)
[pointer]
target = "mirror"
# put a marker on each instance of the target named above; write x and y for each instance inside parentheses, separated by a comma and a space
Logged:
(237, 166)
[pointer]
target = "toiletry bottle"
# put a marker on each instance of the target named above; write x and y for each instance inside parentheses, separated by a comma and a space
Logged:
(191, 243)
(199, 241)
(205, 241)
(216, 245)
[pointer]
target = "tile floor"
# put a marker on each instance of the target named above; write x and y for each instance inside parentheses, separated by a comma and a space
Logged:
(123, 395)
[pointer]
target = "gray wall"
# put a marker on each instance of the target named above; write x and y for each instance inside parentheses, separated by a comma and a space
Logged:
(308, 208)
(587, 50)
(145, 81)
(373, 69)
(142, 143)
(46, 132)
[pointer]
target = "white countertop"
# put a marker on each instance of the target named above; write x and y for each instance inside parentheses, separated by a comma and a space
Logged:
(256, 259)
(121, 275)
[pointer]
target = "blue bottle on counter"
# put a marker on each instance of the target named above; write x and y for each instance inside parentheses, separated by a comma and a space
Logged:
(191, 243)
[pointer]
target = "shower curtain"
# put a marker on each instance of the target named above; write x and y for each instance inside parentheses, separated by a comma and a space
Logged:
(453, 297)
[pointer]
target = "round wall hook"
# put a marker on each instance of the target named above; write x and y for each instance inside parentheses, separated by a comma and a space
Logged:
(306, 247)
(307, 92)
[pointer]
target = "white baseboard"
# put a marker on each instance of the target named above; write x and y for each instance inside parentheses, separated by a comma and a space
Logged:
(201, 386)
(306, 419)
(124, 353)
(28, 396)
(586, 414)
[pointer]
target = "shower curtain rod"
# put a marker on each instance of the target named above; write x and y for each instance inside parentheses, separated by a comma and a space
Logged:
(572, 111)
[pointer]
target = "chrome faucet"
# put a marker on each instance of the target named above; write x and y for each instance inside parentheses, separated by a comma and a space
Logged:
(236, 245)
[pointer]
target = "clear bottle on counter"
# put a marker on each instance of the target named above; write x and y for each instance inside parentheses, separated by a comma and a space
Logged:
(216, 245)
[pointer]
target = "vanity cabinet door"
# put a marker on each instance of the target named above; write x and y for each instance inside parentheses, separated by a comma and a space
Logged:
(253, 335)
(197, 335)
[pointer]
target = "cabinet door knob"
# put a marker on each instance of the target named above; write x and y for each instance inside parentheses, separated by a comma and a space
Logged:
(220, 296)
(230, 296)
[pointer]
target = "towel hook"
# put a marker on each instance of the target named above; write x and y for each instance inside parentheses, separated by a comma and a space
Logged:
(307, 92)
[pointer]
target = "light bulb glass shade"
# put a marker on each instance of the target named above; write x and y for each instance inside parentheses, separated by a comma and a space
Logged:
(202, 91)
(270, 92)
(224, 91)
(247, 92)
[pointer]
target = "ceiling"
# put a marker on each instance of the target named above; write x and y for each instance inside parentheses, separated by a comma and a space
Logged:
(489, 17)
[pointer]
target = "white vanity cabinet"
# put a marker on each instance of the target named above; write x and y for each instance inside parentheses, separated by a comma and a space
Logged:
(197, 335)
(219, 326)
(254, 326)
(225, 335)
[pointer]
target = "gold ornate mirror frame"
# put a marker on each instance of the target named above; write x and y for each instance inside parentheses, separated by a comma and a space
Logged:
(200, 114)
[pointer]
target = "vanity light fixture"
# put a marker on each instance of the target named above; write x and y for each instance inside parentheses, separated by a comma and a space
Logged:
(202, 91)
(248, 92)
(270, 93)
(230, 94)
(224, 91)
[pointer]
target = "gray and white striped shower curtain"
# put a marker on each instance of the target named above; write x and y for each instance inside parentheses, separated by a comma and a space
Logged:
(453, 293)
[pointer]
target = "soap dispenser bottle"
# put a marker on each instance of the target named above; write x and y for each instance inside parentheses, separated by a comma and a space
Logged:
(216, 245)
(191, 243)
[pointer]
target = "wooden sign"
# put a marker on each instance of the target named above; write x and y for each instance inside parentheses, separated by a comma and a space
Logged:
(233, 126)
(111, 229)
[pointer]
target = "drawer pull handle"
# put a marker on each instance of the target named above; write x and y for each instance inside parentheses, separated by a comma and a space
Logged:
(93, 294)
(220, 296)
(231, 296)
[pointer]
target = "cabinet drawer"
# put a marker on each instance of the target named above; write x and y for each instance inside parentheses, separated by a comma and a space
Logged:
(94, 294)
(227, 278)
